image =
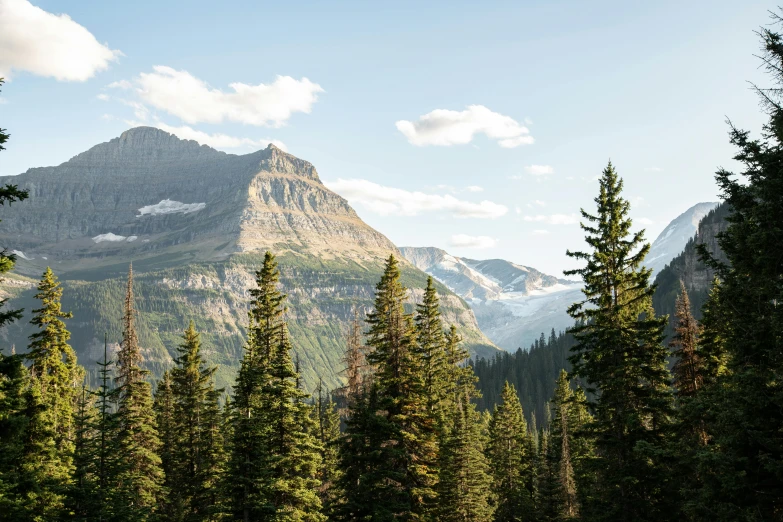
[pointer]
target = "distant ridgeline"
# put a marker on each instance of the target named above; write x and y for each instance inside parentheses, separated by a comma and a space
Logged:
(534, 371)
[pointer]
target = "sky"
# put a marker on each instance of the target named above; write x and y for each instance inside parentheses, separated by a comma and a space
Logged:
(476, 127)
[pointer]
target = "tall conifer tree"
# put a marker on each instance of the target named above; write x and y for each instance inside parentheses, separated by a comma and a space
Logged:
(621, 356)
(139, 477)
(511, 460)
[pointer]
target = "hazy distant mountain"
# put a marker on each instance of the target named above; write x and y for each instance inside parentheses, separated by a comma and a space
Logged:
(513, 303)
(196, 222)
(676, 235)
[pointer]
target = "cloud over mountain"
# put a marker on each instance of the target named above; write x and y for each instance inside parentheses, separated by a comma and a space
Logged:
(386, 201)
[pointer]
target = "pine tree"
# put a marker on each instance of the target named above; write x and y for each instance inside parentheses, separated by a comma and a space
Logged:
(398, 375)
(744, 476)
(105, 434)
(688, 367)
(465, 481)
(570, 446)
(54, 377)
(511, 461)
(14, 433)
(327, 420)
(356, 370)
(139, 477)
(197, 458)
(293, 458)
(83, 495)
(431, 350)
(621, 356)
(548, 501)
(250, 428)
(171, 507)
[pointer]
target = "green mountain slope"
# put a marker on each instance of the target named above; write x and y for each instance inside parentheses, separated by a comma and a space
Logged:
(195, 223)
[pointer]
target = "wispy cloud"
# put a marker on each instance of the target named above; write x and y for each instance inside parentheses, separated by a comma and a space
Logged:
(653, 169)
(553, 219)
(444, 127)
(385, 201)
(540, 170)
(474, 188)
(540, 232)
(466, 241)
(50, 45)
(644, 221)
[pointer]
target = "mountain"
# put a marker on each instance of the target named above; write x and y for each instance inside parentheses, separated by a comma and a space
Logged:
(513, 304)
(675, 236)
(689, 268)
(195, 222)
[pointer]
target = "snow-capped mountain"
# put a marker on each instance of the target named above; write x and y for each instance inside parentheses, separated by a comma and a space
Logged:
(513, 303)
(671, 242)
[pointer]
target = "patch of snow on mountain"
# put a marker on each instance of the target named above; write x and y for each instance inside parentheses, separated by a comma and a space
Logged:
(19, 253)
(168, 206)
(132, 238)
(113, 238)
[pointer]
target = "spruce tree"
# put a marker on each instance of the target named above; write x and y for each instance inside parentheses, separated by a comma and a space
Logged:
(293, 456)
(688, 367)
(356, 370)
(327, 421)
(15, 431)
(195, 461)
(431, 351)
(745, 474)
(83, 495)
(104, 436)
(621, 357)
(400, 380)
(171, 506)
(53, 363)
(511, 461)
(138, 478)
(465, 480)
(54, 377)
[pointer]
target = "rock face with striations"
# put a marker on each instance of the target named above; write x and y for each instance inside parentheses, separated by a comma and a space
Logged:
(195, 222)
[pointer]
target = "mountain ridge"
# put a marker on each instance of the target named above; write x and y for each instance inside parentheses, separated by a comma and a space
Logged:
(195, 222)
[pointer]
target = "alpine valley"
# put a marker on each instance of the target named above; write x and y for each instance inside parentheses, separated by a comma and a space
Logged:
(196, 222)
(515, 304)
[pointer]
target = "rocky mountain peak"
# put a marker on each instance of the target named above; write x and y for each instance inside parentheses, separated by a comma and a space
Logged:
(147, 145)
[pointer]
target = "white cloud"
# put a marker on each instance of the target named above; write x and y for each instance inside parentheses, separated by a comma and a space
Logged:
(103, 97)
(554, 219)
(122, 84)
(393, 201)
(474, 188)
(540, 232)
(183, 95)
(46, 44)
(217, 140)
(540, 170)
(653, 169)
(645, 221)
(539, 203)
(445, 127)
(466, 241)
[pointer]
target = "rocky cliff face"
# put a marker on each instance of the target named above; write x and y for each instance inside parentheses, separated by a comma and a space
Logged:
(673, 239)
(690, 269)
(195, 222)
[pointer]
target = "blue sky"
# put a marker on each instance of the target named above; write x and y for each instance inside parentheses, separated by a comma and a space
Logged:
(477, 127)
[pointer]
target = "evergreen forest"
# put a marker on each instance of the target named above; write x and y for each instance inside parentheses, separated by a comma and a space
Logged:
(618, 419)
